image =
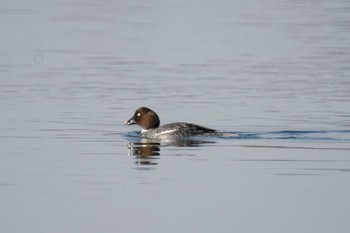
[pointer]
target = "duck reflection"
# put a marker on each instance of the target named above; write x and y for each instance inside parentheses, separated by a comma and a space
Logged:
(144, 149)
(147, 151)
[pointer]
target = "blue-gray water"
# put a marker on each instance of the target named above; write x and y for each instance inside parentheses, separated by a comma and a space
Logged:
(277, 72)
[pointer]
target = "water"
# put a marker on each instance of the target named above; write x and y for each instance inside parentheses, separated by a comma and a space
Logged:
(276, 72)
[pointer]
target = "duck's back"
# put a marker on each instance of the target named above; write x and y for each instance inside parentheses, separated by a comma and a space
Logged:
(178, 130)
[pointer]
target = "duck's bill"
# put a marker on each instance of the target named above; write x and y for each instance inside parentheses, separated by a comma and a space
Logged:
(130, 122)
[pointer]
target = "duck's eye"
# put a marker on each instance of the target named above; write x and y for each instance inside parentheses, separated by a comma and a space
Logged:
(138, 114)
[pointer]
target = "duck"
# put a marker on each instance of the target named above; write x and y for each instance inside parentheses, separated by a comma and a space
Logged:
(149, 121)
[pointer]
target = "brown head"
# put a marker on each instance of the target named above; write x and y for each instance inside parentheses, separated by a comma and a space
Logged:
(144, 117)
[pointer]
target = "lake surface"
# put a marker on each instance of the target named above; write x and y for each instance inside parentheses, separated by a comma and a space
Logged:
(276, 72)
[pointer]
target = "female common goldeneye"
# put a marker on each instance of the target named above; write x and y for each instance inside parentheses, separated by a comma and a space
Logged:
(149, 121)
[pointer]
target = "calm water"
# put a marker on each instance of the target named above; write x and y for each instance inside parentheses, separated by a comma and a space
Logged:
(277, 72)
